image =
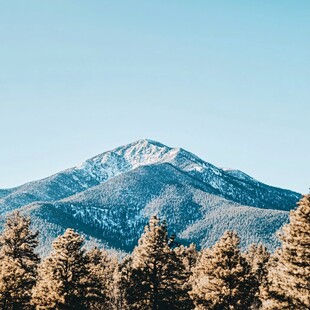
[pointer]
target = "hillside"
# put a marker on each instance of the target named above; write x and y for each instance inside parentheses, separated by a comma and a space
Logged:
(110, 197)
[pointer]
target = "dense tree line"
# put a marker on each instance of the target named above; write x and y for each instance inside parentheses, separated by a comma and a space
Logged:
(159, 274)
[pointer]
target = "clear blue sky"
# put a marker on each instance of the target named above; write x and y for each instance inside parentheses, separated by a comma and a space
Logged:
(226, 80)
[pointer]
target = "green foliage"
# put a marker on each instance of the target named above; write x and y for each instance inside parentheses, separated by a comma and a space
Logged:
(63, 276)
(101, 291)
(158, 277)
(18, 262)
(159, 274)
(258, 258)
(289, 272)
(222, 278)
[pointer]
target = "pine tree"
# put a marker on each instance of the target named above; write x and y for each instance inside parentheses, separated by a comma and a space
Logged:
(180, 270)
(64, 278)
(101, 292)
(123, 283)
(188, 256)
(289, 272)
(18, 262)
(157, 276)
(222, 278)
(258, 257)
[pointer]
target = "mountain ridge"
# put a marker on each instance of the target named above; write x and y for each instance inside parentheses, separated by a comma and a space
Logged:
(147, 175)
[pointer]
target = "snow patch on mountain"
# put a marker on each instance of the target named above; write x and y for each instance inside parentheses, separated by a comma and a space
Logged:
(110, 197)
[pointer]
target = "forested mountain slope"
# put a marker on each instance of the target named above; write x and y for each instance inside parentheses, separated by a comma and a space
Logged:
(111, 196)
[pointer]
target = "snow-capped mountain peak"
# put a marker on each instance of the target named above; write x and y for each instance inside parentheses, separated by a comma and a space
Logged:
(110, 195)
(232, 184)
(121, 159)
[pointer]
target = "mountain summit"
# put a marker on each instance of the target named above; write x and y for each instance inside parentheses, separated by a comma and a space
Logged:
(110, 197)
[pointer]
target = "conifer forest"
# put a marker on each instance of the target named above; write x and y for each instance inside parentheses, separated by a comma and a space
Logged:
(159, 274)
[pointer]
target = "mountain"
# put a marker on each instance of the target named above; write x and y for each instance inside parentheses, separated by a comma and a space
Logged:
(110, 197)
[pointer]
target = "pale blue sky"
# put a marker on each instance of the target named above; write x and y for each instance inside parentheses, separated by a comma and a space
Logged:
(226, 80)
